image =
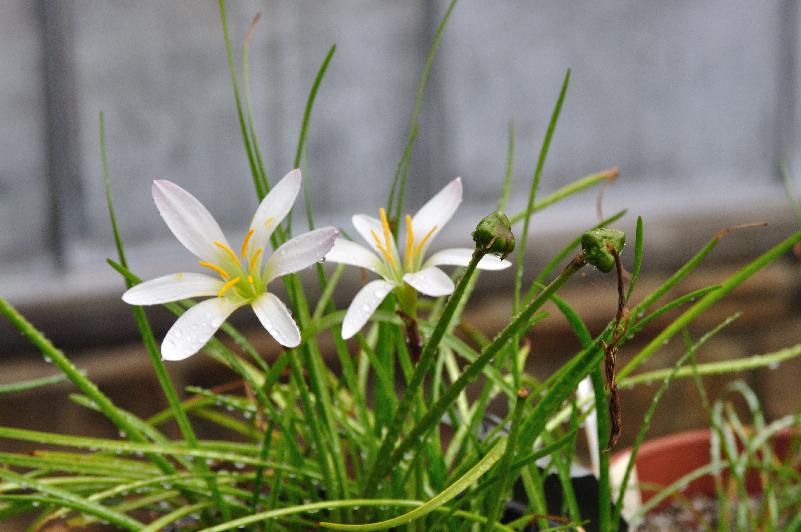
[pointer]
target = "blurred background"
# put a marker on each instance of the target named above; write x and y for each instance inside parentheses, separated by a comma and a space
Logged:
(696, 103)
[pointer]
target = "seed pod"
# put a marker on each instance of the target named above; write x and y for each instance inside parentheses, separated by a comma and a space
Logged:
(493, 234)
(597, 245)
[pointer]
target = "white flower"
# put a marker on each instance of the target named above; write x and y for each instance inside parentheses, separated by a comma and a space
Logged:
(410, 268)
(242, 278)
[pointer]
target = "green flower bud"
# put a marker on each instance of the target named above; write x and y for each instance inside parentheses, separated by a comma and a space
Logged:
(597, 243)
(493, 234)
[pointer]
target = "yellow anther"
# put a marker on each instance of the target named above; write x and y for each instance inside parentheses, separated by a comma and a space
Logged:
(384, 251)
(227, 250)
(222, 273)
(424, 240)
(245, 243)
(409, 249)
(226, 286)
(250, 279)
(253, 259)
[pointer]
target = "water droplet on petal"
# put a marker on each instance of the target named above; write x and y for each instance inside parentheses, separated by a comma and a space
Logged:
(216, 321)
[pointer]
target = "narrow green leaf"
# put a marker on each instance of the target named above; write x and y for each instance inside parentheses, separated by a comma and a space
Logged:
(399, 180)
(532, 194)
(476, 472)
(588, 181)
(510, 167)
(707, 301)
(304, 129)
(635, 272)
(65, 497)
(32, 384)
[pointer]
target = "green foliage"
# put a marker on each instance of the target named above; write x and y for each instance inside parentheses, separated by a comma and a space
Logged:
(400, 434)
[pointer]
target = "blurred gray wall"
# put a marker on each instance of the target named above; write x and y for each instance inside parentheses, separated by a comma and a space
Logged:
(694, 101)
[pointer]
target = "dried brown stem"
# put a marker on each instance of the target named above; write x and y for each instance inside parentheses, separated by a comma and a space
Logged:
(610, 355)
(414, 342)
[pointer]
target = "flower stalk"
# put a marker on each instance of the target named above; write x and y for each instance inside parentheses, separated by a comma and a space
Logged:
(422, 368)
(471, 372)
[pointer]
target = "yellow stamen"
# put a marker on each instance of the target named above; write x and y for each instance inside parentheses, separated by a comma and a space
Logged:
(227, 250)
(384, 251)
(226, 286)
(245, 243)
(385, 226)
(409, 249)
(250, 279)
(253, 259)
(222, 273)
(424, 240)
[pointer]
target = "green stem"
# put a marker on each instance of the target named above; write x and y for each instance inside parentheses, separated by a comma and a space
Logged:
(472, 371)
(420, 371)
(602, 428)
(497, 498)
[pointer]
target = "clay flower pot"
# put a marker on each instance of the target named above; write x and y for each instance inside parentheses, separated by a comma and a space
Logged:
(663, 461)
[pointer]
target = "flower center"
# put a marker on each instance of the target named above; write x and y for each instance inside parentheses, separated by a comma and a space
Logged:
(242, 274)
(412, 252)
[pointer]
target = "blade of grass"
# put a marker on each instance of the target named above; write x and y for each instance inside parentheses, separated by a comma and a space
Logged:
(635, 272)
(148, 339)
(32, 384)
(67, 498)
(105, 404)
(400, 178)
(420, 371)
(588, 181)
(134, 448)
(666, 381)
(258, 180)
(304, 129)
(707, 301)
(469, 478)
(510, 168)
(735, 365)
(472, 371)
(532, 194)
(498, 498)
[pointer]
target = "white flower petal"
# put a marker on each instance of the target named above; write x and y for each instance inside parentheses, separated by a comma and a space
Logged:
(462, 256)
(367, 226)
(430, 281)
(353, 254)
(189, 221)
(275, 317)
(195, 327)
(273, 209)
(300, 252)
(363, 306)
(173, 287)
(436, 212)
